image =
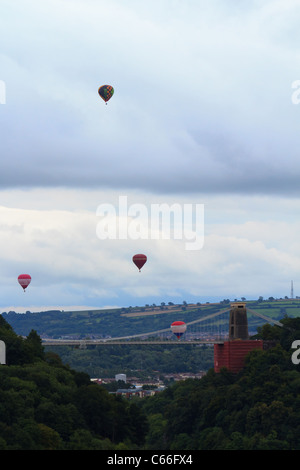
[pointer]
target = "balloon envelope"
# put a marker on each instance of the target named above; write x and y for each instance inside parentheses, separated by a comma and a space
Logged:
(178, 328)
(139, 260)
(106, 92)
(24, 280)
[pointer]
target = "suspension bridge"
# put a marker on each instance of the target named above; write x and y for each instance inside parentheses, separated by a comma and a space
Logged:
(208, 329)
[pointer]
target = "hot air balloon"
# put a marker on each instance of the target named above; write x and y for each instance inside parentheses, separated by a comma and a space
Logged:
(139, 260)
(24, 280)
(106, 92)
(178, 328)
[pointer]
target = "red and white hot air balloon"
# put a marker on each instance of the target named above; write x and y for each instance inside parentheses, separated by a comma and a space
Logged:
(24, 280)
(139, 260)
(178, 328)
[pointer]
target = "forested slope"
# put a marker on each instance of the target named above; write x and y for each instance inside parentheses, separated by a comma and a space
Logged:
(46, 405)
(258, 409)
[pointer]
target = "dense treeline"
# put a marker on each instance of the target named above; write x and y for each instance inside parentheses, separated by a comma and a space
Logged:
(257, 409)
(139, 361)
(46, 405)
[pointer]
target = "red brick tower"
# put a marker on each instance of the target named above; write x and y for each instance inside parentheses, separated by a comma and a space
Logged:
(231, 354)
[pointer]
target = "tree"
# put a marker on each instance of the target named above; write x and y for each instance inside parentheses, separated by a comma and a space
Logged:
(49, 439)
(137, 424)
(268, 332)
(156, 436)
(95, 404)
(212, 439)
(82, 439)
(33, 346)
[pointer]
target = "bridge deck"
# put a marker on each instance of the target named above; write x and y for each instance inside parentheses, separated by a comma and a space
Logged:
(128, 343)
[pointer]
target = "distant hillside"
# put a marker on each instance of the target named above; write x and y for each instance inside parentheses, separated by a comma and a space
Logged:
(133, 320)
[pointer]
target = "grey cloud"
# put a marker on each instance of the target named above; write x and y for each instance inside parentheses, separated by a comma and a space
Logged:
(210, 111)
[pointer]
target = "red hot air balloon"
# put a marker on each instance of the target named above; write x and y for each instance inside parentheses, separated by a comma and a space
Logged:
(178, 328)
(139, 260)
(24, 280)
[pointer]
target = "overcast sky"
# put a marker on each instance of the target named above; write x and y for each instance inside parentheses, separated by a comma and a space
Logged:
(206, 112)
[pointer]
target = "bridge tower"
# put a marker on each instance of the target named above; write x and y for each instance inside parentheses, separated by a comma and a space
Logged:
(238, 322)
(231, 354)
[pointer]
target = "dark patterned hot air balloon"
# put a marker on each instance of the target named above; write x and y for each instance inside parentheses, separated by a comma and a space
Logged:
(106, 92)
(24, 280)
(139, 260)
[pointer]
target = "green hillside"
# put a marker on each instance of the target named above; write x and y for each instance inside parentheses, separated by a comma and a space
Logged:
(134, 320)
(142, 362)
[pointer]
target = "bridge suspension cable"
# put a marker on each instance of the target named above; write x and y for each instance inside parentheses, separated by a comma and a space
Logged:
(264, 317)
(204, 336)
(138, 335)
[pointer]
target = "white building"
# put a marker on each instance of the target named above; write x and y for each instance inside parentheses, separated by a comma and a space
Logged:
(120, 377)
